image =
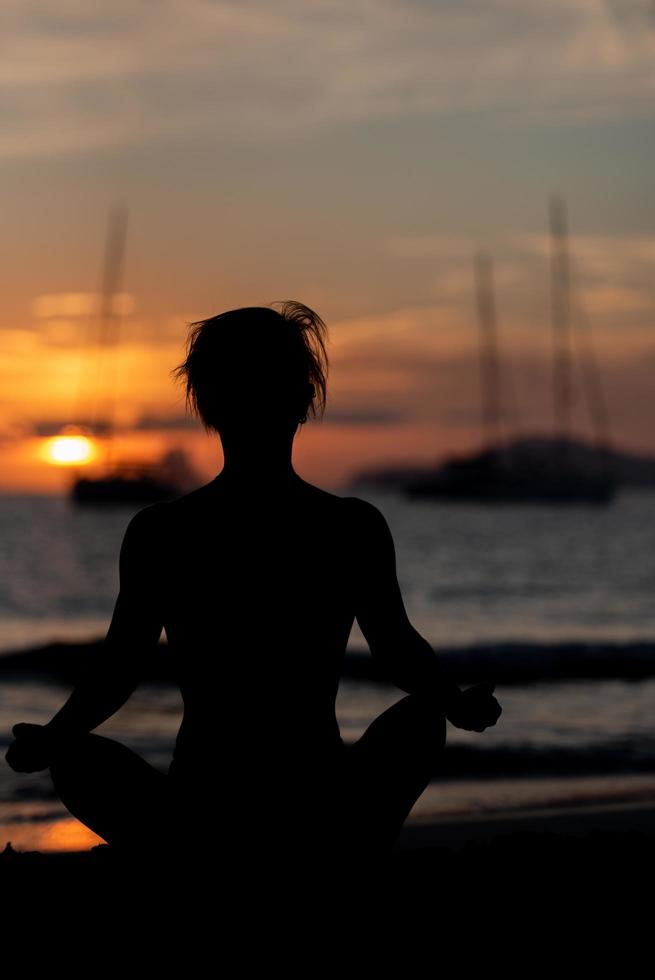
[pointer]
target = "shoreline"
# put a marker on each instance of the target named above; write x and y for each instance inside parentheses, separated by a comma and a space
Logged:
(565, 821)
(473, 830)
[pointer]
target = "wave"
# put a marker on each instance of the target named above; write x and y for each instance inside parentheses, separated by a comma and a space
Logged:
(511, 662)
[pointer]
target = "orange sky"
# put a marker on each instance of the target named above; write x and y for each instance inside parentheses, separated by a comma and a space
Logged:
(353, 158)
(402, 387)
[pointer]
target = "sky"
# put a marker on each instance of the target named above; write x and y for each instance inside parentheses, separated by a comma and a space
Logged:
(354, 156)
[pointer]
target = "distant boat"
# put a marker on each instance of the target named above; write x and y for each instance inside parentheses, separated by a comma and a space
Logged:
(632, 470)
(138, 482)
(537, 470)
(129, 486)
(546, 471)
(126, 481)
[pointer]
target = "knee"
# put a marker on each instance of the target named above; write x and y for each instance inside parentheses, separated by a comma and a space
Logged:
(425, 716)
(73, 752)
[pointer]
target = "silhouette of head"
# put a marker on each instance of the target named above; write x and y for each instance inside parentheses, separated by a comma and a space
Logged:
(257, 364)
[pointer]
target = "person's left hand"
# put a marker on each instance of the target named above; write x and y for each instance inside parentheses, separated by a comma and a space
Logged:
(475, 709)
(31, 749)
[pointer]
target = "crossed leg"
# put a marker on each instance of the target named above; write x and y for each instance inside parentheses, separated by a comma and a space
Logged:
(379, 778)
(113, 791)
(388, 768)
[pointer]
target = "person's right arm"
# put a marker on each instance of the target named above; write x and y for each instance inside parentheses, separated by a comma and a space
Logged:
(403, 655)
(116, 668)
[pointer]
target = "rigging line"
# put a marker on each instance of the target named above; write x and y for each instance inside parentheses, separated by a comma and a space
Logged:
(83, 401)
(500, 412)
(109, 322)
(116, 321)
(588, 365)
(560, 318)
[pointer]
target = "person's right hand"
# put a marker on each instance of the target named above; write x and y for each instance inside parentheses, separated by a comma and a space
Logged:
(476, 709)
(31, 749)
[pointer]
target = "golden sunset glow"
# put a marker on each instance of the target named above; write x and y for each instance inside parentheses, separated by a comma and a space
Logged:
(69, 450)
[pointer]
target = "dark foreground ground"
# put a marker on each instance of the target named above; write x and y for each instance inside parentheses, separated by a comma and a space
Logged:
(572, 892)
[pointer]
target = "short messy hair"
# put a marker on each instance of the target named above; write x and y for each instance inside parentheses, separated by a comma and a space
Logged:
(289, 335)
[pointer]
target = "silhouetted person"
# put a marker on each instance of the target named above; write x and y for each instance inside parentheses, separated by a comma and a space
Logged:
(257, 578)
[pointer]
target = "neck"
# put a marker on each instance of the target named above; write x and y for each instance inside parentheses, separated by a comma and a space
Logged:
(253, 461)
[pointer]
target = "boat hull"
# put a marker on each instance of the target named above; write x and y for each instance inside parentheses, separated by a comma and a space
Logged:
(119, 490)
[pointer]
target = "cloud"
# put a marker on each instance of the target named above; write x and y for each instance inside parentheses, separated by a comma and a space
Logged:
(81, 77)
(53, 305)
(148, 423)
(601, 255)
(612, 274)
(363, 416)
(609, 300)
(430, 247)
(52, 427)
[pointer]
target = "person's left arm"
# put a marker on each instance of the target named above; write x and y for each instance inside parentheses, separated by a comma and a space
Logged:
(117, 669)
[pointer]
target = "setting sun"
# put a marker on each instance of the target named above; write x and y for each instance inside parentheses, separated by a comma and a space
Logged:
(68, 450)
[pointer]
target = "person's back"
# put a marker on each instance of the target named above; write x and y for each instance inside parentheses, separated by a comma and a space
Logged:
(257, 605)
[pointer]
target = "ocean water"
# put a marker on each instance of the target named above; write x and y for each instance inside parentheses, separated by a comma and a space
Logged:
(468, 574)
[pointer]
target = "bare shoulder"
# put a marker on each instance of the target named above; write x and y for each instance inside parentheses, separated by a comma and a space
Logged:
(319, 494)
(140, 558)
(355, 508)
(318, 497)
(365, 513)
(362, 521)
(369, 529)
(149, 521)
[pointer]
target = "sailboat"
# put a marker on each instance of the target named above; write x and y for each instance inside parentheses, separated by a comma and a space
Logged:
(124, 481)
(527, 470)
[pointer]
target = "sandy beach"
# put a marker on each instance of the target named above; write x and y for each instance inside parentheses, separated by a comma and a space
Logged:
(578, 849)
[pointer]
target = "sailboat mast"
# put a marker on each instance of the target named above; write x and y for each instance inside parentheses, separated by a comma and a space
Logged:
(489, 363)
(560, 319)
(109, 323)
(113, 269)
